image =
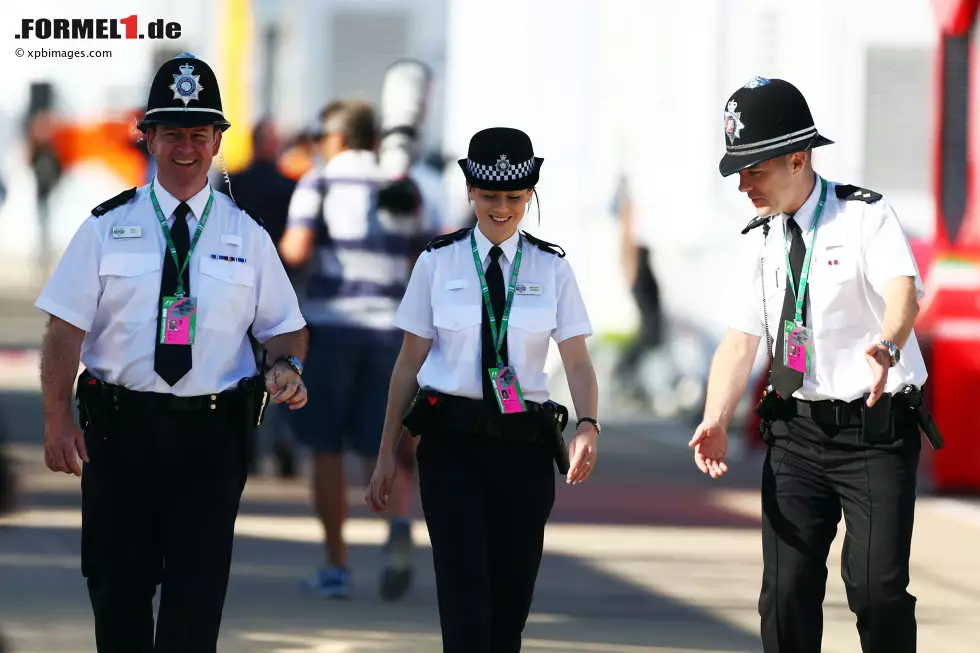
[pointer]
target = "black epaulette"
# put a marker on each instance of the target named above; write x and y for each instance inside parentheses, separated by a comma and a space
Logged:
(447, 239)
(756, 222)
(124, 197)
(849, 192)
(544, 245)
(247, 211)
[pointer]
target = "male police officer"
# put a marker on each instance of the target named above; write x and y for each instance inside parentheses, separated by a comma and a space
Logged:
(840, 430)
(156, 293)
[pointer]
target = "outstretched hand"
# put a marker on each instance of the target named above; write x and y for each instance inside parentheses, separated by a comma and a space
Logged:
(710, 444)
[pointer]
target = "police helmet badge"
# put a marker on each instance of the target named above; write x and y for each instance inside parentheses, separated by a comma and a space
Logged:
(733, 122)
(502, 163)
(186, 85)
(756, 82)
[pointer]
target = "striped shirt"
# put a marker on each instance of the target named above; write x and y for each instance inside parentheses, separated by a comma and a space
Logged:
(363, 257)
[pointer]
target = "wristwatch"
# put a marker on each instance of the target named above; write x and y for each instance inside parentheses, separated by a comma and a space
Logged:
(893, 351)
(590, 420)
(293, 362)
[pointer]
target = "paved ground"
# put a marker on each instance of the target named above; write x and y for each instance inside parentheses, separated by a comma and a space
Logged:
(648, 557)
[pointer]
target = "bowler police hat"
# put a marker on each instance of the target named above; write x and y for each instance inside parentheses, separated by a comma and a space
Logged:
(765, 119)
(184, 93)
(501, 158)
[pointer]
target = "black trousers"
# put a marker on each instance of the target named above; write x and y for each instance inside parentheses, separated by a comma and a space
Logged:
(160, 497)
(486, 503)
(812, 473)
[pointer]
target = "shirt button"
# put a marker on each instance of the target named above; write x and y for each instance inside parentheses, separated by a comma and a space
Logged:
(213, 406)
(213, 397)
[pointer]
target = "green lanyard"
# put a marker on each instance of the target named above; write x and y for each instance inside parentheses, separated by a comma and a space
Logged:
(498, 338)
(170, 241)
(808, 241)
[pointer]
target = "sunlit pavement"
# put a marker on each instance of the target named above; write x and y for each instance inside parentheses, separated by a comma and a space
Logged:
(649, 556)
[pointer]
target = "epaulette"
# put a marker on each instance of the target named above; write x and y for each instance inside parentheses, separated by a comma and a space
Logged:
(756, 222)
(446, 239)
(849, 192)
(247, 211)
(124, 197)
(544, 245)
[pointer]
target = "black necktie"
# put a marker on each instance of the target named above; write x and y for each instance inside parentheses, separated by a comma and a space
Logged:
(495, 283)
(784, 380)
(172, 362)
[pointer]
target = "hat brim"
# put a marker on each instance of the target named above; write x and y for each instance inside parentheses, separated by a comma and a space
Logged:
(730, 164)
(522, 183)
(185, 119)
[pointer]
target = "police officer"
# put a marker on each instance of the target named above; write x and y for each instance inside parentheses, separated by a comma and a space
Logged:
(156, 292)
(480, 309)
(831, 283)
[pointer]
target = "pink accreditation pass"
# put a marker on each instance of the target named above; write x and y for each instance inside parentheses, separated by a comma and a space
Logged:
(178, 320)
(798, 347)
(510, 399)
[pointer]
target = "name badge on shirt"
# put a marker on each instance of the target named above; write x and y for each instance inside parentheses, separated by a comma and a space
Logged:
(528, 289)
(133, 231)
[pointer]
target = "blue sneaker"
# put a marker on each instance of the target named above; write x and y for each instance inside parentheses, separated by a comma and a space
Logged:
(329, 582)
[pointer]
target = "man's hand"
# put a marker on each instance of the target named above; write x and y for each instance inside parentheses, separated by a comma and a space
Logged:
(285, 386)
(62, 439)
(710, 443)
(880, 361)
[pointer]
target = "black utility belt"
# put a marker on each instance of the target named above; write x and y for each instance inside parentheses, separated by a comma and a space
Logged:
(434, 413)
(98, 401)
(828, 412)
(873, 421)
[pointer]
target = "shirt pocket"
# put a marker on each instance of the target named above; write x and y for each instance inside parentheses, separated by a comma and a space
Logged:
(130, 285)
(458, 330)
(837, 286)
(225, 296)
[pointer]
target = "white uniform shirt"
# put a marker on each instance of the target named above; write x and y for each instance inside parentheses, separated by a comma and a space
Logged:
(109, 286)
(858, 247)
(444, 303)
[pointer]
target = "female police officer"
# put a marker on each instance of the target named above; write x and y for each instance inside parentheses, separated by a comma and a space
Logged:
(485, 459)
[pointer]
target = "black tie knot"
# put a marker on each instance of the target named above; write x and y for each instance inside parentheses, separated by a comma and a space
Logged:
(794, 228)
(182, 210)
(495, 253)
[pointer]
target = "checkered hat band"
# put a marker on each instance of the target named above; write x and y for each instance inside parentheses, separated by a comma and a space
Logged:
(773, 143)
(493, 173)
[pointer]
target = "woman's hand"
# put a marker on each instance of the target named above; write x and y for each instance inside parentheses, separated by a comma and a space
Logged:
(582, 452)
(382, 480)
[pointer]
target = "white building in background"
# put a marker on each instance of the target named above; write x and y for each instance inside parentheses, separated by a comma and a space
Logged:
(639, 86)
(602, 86)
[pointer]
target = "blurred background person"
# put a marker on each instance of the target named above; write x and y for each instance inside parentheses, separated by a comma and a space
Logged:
(636, 255)
(44, 162)
(357, 262)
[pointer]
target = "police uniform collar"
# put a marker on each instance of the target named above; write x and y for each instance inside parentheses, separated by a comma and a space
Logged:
(168, 203)
(509, 246)
(805, 215)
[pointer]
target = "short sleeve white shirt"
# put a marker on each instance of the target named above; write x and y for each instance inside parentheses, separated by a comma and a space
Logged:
(858, 247)
(444, 303)
(107, 284)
